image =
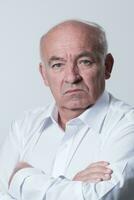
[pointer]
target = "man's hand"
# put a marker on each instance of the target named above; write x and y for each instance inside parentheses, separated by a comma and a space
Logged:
(95, 172)
(19, 166)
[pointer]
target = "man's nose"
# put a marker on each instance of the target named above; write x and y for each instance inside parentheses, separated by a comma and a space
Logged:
(72, 75)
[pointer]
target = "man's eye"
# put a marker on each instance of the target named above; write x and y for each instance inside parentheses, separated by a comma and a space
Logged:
(57, 65)
(85, 62)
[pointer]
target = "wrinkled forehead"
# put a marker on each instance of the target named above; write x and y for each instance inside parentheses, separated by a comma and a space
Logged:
(69, 37)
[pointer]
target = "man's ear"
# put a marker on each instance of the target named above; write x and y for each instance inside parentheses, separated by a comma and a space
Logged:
(109, 61)
(42, 70)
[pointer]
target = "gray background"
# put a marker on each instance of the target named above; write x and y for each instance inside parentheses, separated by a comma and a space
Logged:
(22, 22)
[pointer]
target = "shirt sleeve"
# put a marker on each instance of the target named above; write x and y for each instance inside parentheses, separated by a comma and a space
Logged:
(119, 151)
(9, 157)
(31, 183)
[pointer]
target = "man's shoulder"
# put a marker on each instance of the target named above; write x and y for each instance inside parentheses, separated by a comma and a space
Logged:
(33, 119)
(117, 105)
(119, 119)
(37, 112)
(120, 111)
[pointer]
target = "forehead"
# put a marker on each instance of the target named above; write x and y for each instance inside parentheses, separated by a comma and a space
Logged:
(69, 38)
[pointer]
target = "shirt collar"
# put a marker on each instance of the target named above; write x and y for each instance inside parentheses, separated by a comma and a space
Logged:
(95, 115)
(92, 117)
(51, 111)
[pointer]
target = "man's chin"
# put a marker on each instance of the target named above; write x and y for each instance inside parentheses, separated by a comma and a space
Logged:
(77, 106)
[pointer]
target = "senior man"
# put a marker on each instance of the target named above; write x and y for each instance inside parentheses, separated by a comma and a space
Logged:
(82, 146)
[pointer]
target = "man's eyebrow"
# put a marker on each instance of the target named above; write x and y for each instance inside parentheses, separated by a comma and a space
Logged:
(55, 58)
(85, 53)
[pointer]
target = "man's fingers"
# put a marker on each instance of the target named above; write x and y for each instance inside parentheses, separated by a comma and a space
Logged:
(100, 163)
(93, 178)
(98, 171)
(94, 174)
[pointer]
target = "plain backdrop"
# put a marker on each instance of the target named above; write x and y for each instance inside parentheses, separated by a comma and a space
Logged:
(22, 22)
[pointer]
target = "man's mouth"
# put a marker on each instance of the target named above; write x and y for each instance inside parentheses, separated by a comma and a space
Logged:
(73, 91)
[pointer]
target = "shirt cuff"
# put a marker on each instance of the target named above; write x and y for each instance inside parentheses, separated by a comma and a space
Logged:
(19, 178)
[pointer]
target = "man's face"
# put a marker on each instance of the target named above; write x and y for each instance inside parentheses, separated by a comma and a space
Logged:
(72, 69)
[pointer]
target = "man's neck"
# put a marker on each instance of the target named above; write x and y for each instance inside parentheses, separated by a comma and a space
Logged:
(65, 115)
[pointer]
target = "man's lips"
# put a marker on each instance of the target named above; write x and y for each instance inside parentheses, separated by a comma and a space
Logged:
(73, 91)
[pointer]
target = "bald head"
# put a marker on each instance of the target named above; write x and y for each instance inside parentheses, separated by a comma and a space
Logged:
(93, 33)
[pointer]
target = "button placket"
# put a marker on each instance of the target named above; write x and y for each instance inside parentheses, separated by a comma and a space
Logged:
(63, 151)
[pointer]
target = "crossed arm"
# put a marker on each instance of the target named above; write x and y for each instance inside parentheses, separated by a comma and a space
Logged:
(96, 182)
(95, 172)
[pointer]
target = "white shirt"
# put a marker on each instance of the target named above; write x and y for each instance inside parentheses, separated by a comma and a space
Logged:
(103, 132)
